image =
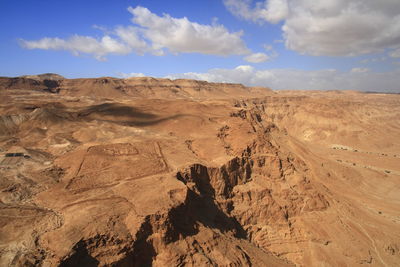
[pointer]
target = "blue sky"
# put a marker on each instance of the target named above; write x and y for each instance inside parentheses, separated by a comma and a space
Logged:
(283, 44)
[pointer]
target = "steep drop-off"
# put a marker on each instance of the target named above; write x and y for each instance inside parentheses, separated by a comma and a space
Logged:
(154, 172)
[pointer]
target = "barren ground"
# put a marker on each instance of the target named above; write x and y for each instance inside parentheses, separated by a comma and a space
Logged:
(146, 171)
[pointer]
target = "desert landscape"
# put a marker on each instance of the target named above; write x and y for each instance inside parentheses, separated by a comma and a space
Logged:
(159, 172)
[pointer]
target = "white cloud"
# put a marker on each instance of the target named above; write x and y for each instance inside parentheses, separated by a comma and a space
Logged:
(329, 27)
(130, 75)
(359, 70)
(151, 34)
(268, 47)
(262, 57)
(130, 36)
(257, 58)
(180, 35)
(373, 60)
(81, 44)
(328, 79)
(240, 74)
(272, 11)
(395, 53)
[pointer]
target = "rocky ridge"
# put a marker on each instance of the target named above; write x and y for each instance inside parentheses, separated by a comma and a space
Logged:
(148, 176)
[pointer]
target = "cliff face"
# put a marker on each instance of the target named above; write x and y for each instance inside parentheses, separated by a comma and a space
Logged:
(145, 171)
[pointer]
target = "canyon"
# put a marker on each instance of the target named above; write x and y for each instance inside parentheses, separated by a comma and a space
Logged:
(158, 172)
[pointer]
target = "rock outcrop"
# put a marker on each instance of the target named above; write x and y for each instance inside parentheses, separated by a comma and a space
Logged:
(154, 172)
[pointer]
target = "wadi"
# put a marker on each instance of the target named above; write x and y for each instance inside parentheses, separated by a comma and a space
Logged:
(159, 172)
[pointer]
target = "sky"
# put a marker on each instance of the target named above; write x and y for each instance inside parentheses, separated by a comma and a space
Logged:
(282, 44)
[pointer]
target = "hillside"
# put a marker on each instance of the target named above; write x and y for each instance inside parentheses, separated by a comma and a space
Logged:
(141, 87)
(159, 172)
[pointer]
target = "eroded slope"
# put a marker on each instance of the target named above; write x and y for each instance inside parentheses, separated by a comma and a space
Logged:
(197, 181)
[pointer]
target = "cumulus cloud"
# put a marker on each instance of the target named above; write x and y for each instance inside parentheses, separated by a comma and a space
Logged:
(262, 57)
(179, 35)
(130, 36)
(268, 47)
(372, 60)
(272, 11)
(395, 53)
(150, 34)
(257, 58)
(330, 27)
(130, 75)
(81, 44)
(328, 79)
(359, 70)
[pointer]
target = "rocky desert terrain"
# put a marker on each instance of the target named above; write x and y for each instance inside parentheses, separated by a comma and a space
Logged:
(159, 172)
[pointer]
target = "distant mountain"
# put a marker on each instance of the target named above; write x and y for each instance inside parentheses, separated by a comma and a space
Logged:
(142, 87)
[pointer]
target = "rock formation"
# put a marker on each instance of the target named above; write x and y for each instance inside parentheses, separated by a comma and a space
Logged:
(159, 172)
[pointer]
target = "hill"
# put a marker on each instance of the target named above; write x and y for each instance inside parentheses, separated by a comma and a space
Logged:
(155, 172)
(142, 87)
